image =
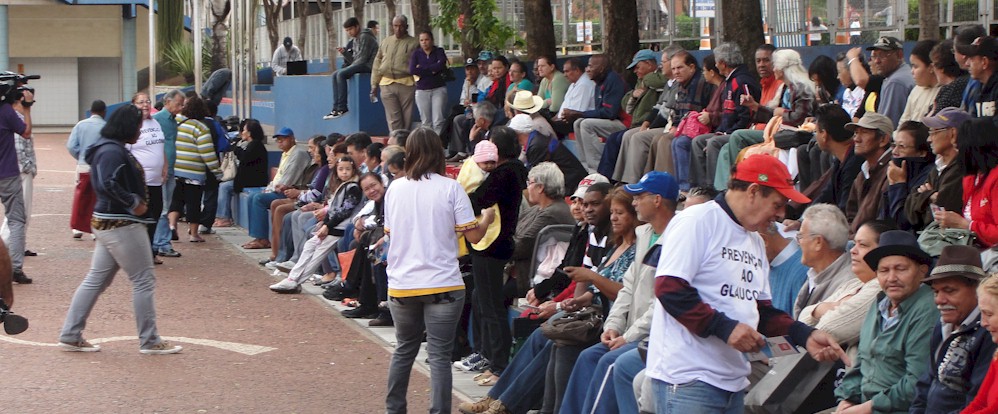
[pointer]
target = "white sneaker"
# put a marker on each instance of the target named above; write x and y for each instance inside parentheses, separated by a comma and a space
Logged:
(271, 265)
(285, 285)
(81, 346)
(290, 264)
(162, 348)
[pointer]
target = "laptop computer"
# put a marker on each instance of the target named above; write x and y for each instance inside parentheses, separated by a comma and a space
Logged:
(297, 67)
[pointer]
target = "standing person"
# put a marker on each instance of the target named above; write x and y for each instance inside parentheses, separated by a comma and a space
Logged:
(196, 158)
(504, 187)
(391, 71)
(428, 64)
(711, 302)
(28, 167)
(173, 102)
(148, 151)
(82, 137)
(11, 192)
(425, 289)
(121, 237)
(365, 46)
(284, 54)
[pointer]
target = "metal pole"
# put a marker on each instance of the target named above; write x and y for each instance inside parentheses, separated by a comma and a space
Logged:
(233, 55)
(198, 43)
(565, 21)
(152, 50)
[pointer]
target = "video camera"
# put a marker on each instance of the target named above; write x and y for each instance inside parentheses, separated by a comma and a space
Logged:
(12, 324)
(13, 84)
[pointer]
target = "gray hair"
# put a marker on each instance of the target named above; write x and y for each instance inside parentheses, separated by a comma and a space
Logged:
(172, 94)
(484, 109)
(550, 176)
(829, 222)
(794, 73)
(671, 51)
(729, 53)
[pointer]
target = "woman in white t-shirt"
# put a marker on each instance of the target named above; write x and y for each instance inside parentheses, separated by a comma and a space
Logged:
(424, 212)
(149, 151)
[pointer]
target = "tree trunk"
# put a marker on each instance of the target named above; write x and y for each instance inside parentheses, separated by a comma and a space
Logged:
(358, 12)
(420, 17)
(272, 13)
(169, 24)
(620, 34)
(392, 12)
(928, 20)
(748, 37)
(332, 32)
(301, 6)
(219, 33)
(468, 48)
(540, 28)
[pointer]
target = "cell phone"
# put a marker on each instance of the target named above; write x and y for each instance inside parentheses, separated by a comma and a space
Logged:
(936, 209)
(747, 91)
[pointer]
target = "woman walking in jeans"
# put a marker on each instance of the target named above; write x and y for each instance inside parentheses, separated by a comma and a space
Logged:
(119, 227)
(425, 289)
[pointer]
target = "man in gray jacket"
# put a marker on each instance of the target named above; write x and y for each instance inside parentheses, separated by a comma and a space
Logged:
(365, 46)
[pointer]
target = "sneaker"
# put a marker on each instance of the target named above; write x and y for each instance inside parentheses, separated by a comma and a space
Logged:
(205, 230)
(169, 253)
(381, 321)
(481, 365)
(77, 234)
(476, 407)
(20, 278)
(264, 261)
(271, 265)
(465, 363)
(162, 348)
(286, 286)
(286, 266)
(334, 115)
(79, 346)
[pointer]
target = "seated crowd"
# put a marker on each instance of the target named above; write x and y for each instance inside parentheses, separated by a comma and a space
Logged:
(843, 205)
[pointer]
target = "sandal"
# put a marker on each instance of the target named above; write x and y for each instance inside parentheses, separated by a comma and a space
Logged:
(157, 261)
(482, 376)
(197, 240)
(488, 382)
(257, 244)
(222, 223)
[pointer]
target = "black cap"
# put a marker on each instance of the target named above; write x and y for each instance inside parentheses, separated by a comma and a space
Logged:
(986, 46)
(897, 243)
(886, 43)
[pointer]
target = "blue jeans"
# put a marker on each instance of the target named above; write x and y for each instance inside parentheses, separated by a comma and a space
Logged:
(521, 385)
(340, 84)
(287, 246)
(161, 241)
(625, 368)
(437, 315)
(696, 397)
(611, 149)
(225, 191)
(589, 380)
(259, 223)
(681, 160)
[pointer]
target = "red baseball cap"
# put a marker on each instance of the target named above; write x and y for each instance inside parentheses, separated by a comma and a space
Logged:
(768, 171)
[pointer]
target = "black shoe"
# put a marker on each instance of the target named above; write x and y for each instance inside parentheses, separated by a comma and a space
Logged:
(381, 321)
(20, 278)
(170, 253)
(334, 114)
(173, 235)
(360, 313)
(30, 253)
(206, 230)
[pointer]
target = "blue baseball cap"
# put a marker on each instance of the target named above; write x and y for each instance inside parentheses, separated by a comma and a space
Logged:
(485, 56)
(658, 183)
(284, 132)
(643, 54)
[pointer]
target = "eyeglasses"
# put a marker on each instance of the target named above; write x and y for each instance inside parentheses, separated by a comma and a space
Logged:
(937, 130)
(801, 236)
(143, 102)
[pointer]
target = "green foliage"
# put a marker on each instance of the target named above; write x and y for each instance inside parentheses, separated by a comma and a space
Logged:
(169, 24)
(687, 26)
(179, 58)
(485, 30)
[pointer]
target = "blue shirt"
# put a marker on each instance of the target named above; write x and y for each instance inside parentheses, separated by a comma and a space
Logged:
(786, 276)
(169, 124)
(83, 136)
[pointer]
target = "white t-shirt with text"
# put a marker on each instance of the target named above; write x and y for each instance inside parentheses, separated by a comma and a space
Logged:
(727, 266)
(149, 151)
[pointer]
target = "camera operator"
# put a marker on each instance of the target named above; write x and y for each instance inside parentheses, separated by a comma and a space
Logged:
(11, 193)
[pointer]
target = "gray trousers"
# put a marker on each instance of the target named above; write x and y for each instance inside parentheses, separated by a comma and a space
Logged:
(313, 253)
(438, 316)
(125, 248)
(703, 158)
(12, 195)
(432, 106)
(589, 134)
(398, 100)
(634, 154)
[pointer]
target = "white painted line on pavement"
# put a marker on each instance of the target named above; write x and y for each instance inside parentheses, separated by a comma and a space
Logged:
(245, 349)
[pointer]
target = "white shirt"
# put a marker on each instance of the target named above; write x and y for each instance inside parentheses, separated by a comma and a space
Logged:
(484, 83)
(149, 151)
(421, 218)
(727, 265)
(816, 37)
(852, 99)
(581, 96)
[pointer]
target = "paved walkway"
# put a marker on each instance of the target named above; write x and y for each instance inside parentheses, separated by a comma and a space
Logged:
(246, 349)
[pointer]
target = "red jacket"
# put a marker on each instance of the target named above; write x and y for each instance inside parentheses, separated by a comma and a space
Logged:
(980, 199)
(986, 401)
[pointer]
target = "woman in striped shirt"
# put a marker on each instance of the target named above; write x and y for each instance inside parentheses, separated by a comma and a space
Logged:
(196, 157)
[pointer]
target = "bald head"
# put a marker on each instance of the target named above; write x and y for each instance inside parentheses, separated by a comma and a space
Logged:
(598, 67)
